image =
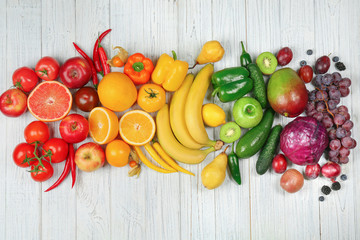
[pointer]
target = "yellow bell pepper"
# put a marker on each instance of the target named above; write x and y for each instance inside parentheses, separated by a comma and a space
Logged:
(169, 72)
(211, 52)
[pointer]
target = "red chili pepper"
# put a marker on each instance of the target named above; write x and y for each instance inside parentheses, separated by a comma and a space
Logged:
(96, 50)
(63, 174)
(72, 164)
(93, 70)
(103, 60)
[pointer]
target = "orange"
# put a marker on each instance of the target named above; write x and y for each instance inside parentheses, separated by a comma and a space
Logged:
(117, 153)
(137, 127)
(50, 101)
(103, 125)
(151, 97)
(117, 92)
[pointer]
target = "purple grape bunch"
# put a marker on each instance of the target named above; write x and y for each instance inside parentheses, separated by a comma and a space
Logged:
(323, 106)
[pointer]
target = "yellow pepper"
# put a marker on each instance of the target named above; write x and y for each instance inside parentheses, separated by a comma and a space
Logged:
(169, 72)
(211, 52)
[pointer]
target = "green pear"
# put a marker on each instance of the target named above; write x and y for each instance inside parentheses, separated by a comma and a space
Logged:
(213, 175)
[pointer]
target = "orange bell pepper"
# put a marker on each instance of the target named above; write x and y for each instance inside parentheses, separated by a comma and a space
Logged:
(139, 68)
(169, 72)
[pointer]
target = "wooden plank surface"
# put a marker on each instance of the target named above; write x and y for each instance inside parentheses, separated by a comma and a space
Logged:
(107, 204)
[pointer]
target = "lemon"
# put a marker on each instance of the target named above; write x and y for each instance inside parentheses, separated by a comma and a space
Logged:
(213, 115)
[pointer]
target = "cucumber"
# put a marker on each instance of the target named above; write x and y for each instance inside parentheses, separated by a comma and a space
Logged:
(259, 84)
(255, 138)
(267, 153)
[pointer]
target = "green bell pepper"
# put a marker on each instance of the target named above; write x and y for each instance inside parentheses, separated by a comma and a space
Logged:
(245, 57)
(233, 90)
(228, 75)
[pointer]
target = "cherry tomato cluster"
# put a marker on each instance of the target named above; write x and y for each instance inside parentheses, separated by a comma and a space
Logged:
(39, 152)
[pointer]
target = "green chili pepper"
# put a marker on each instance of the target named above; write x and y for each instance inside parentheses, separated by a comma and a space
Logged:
(233, 162)
(234, 90)
(245, 57)
(228, 75)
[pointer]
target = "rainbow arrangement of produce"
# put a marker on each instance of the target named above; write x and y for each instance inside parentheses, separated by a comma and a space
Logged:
(178, 132)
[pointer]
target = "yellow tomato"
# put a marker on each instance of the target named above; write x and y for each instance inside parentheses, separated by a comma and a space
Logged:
(151, 97)
(117, 153)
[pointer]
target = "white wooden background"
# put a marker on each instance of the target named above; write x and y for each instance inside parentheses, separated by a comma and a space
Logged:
(107, 204)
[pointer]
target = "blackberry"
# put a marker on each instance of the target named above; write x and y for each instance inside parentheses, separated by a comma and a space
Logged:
(309, 52)
(335, 186)
(335, 59)
(340, 66)
(343, 177)
(321, 198)
(325, 190)
(303, 63)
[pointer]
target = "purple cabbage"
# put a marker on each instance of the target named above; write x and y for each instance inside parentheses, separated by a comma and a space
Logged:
(304, 140)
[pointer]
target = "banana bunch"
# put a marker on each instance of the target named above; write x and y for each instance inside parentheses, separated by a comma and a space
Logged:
(180, 127)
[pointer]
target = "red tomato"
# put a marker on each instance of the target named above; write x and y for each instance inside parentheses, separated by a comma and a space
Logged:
(36, 131)
(23, 151)
(25, 79)
(41, 174)
(47, 68)
(58, 148)
(279, 163)
(86, 98)
(306, 73)
(132, 163)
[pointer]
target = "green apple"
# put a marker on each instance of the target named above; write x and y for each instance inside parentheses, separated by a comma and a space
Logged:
(247, 112)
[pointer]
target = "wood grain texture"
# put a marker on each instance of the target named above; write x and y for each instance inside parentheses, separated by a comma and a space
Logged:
(107, 204)
(60, 16)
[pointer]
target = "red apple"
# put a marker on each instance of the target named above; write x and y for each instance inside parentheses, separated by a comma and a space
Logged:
(13, 103)
(74, 128)
(75, 72)
(89, 157)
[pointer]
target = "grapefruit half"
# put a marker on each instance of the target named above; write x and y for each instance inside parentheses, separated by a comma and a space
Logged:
(50, 101)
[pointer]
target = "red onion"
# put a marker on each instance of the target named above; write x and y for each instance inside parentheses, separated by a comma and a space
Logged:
(331, 170)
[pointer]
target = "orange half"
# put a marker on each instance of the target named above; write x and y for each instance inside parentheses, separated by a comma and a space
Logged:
(137, 127)
(103, 125)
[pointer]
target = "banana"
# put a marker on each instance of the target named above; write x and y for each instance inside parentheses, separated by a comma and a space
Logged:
(177, 115)
(193, 105)
(157, 158)
(171, 146)
(147, 161)
(169, 160)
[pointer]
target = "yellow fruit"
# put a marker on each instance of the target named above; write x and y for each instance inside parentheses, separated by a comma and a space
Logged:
(169, 160)
(213, 175)
(171, 145)
(211, 52)
(117, 92)
(117, 153)
(213, 115)
(193, 105)
(177, 115)
(137, 127)
(103, 125)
